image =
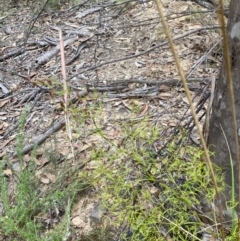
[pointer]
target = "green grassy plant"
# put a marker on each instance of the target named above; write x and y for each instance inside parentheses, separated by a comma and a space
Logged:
(147, 196)
(129, 196)
(24, 202)
(150, 195)
(145, 192)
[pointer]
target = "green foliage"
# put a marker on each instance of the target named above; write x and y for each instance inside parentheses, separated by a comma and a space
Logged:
(20, 136)
(150, 195)
(24, 202)
(147, 196)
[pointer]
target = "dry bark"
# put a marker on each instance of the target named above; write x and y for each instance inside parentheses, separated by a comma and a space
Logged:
(221, 119)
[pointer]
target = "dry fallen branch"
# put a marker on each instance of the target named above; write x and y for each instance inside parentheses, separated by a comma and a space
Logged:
(122, 83)
(56, 127)
(139, 92)
(14, 53)
(47, 56)
(89, 11)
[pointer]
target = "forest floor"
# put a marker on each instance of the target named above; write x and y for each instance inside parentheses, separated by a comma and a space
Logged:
(122, 78)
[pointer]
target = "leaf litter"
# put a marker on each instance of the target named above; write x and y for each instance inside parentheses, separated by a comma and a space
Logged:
(118, 91)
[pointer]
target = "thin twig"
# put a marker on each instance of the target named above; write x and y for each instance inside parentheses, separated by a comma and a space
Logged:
(65, 91)
(188, 95)
(146, 51)
(34, 21)
(54, 128)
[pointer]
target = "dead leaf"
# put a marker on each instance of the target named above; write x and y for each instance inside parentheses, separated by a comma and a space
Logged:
(7, 141)
(4, 102)
(41, 162)
(164, 88)
(144, 110)
(83, 146)
(164, 96)
(70, 156)
(197, 26)
(3, 118)
(3, 125)
(27, 158)
(154, 190)
(172, 124)
(117, 103)
(7, 172)
(20, 36)
(51, 177)
(78, 222)
(40, 152)
(185, 99)
(64, 151)
(44, 180)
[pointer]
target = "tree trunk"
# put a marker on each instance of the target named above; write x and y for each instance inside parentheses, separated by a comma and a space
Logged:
(221, 109)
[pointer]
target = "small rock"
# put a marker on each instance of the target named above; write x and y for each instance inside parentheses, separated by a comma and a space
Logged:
(97, 213)
(78, 222)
